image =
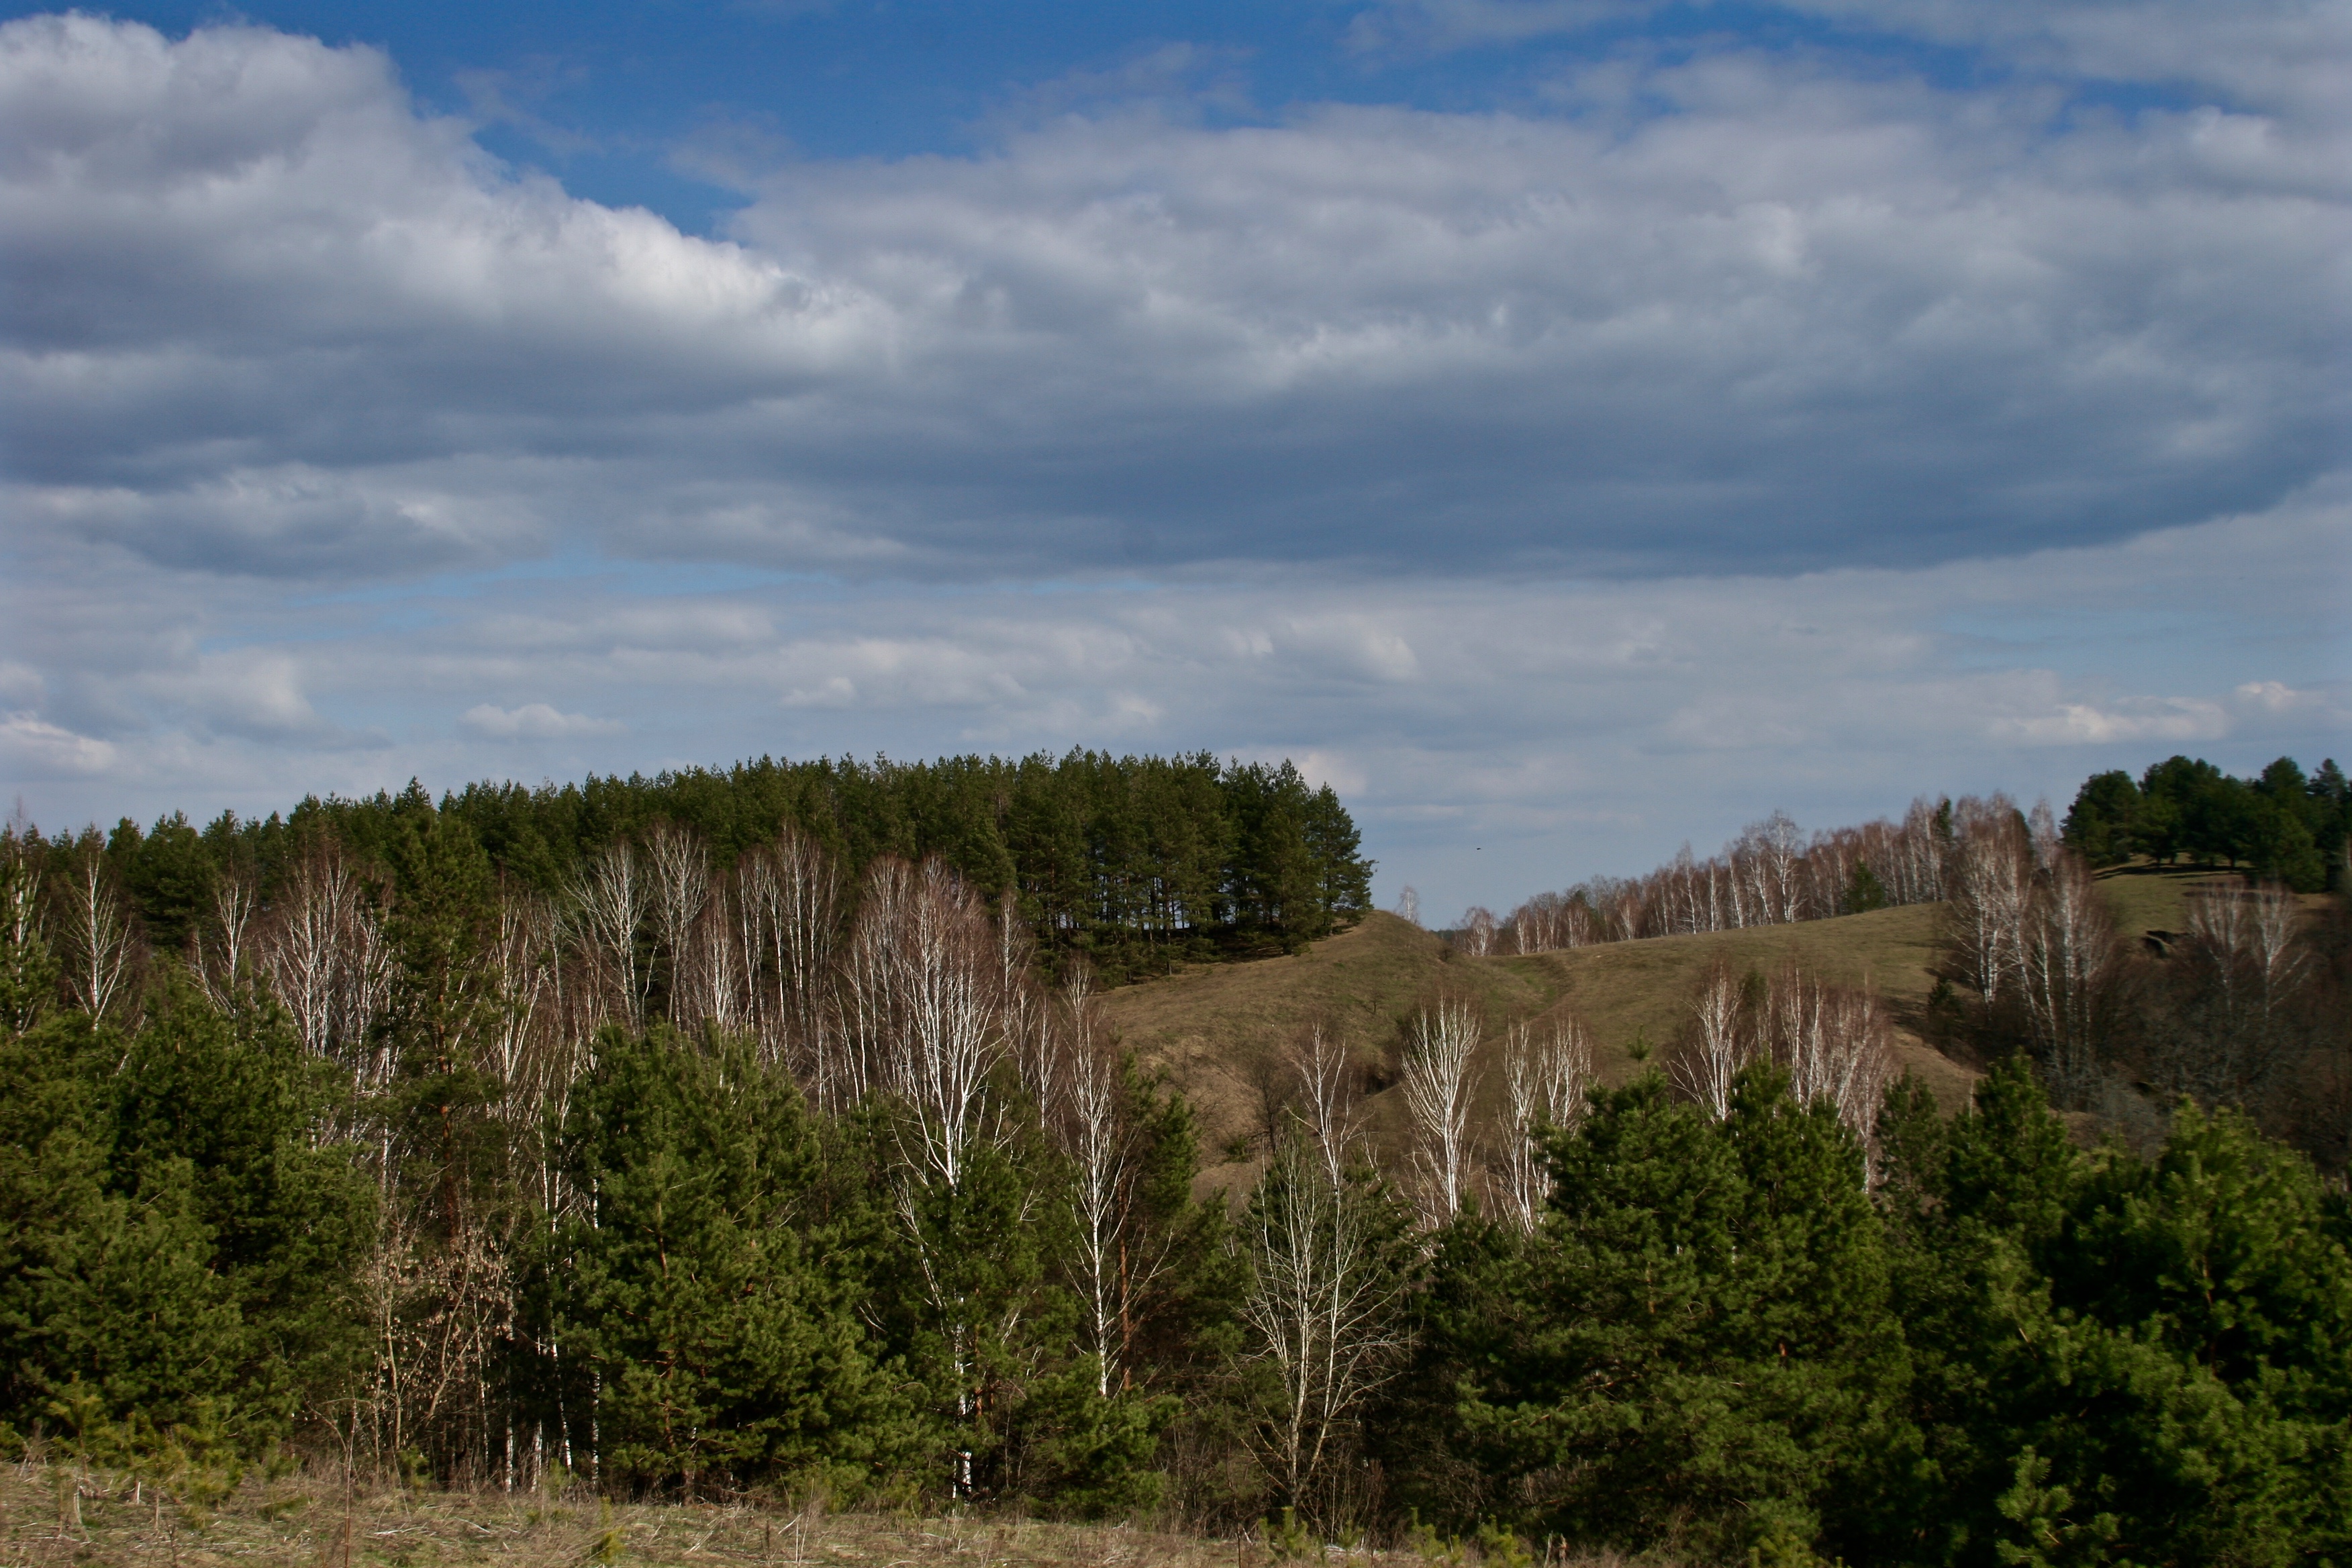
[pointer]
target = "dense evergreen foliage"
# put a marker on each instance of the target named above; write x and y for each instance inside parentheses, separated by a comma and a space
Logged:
(180, 1247)
(2019, 1352)
(1131, 860)
(2279, 826)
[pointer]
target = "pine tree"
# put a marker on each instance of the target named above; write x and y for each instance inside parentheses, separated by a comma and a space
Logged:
(689, 1299)
(1697, 1343)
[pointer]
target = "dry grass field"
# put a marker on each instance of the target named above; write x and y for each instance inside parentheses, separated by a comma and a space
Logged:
(61, 1515)
(1216, 1029)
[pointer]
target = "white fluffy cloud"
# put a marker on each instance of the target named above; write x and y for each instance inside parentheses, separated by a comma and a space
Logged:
(533, 721)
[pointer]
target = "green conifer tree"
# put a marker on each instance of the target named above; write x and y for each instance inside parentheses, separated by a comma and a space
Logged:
(690, 1297)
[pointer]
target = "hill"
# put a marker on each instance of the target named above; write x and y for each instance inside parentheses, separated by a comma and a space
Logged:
(1217, 1030)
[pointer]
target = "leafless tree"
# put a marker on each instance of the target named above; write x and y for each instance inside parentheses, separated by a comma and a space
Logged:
(1550, 921)
(713, 972)
(1478, 929)
(1438, 1089)
(611, 898)
(1114, 1269)
(1769, 874)
(1329, 1098)
(525, 957)
(1323, 1308)
(931, 1011)
(1545, 1076)
(2041, 835)
(1720, 1044)
(221, 960)
(1627, 908)
(923, 970)
(678, 871)
(873, 983)
(795, 887)
(439, 1312)
(322, 951)
(1834, 1044)
(2279, 957)
(2241, 948)
(1778, 845)
(303, 947)
(21, 916)
(99, 940)
(1041, 1050)
(2069, 947)
(1991, 892)
(1408, 907)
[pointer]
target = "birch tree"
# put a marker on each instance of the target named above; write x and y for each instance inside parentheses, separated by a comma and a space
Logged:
(1720, 1045)
(1329, 1099)
(1545, 1076)
(28, 971)
(99, 940)
(1991, 892)
(1478, 929)
(1324, 1309)
(221, 959)
(1438, 1087)
(794, 887)
(679, 873)
(1834, 1045)
(2069, 949)
(611, 898)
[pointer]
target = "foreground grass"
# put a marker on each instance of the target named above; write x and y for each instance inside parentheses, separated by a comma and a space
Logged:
(60, 1514)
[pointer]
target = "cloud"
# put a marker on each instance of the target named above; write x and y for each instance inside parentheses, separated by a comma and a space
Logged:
(1568, 727)
(2269, 54)
(1441, 27)
(1729, 311)
(2284, 54)
(533, 721)
(33, 749)
(2150, 718)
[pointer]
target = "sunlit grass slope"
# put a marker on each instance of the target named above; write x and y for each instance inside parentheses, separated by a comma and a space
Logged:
(1211, 1029)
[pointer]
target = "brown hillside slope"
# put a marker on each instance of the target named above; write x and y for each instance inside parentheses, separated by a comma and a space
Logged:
(1215, 1029)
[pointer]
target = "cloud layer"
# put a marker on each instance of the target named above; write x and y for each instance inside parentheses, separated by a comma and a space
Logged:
(1726, 311)
(1726, 427)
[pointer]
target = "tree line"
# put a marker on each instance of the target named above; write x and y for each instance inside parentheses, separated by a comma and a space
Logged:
(2280, 827)
(413, 1164)
(2248, 1006)
(1134, 862)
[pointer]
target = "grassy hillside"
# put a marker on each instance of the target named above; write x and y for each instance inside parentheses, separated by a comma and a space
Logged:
(1216, 1029)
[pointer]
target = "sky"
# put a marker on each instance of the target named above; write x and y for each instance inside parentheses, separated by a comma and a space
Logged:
(1568, 427)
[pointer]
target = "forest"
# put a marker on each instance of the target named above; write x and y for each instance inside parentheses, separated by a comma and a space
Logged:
(756, 1134)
